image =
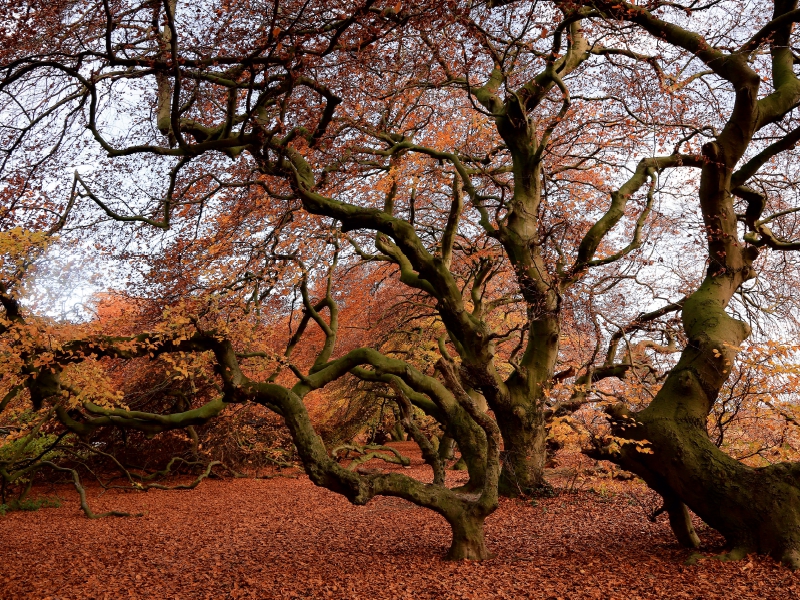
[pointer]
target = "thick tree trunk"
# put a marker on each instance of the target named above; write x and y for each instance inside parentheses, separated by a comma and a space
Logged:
(757, 510)
(468, 540)
(524, 451)
(519, 410)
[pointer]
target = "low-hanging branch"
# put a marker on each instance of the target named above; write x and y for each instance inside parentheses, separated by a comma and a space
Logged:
(369, 452)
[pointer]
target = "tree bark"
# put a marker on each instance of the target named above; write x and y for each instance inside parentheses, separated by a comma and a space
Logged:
(468, 539)
(757, 510)
(524, 450)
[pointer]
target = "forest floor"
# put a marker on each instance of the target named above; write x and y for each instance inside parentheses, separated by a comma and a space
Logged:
(285, 538)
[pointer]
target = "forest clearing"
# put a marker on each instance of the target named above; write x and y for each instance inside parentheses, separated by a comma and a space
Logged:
(446, 265)
(285, 538)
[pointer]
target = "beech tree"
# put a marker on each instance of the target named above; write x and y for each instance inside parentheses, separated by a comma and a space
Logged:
(41, 356)
(754, 508)
(520, 167)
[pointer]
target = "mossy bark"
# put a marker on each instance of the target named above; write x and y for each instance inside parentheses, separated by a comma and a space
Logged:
(524, 451)
(519, 409)
(468, 539)
(471, 442)
(756, 509)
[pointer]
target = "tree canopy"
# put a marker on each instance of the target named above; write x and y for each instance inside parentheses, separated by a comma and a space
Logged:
(523, 221)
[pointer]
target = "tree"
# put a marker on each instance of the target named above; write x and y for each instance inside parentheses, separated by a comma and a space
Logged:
(470, 277)
(41, 363)
(754, 508)
(510, 163)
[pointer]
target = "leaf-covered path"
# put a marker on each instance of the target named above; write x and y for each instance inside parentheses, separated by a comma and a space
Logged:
(286, 538)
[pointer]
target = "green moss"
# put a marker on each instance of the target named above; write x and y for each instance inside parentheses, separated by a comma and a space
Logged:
(29, 505)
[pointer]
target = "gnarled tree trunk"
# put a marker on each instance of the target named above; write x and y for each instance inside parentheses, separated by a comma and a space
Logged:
(468, 539)
(756, 509)
(524, 450)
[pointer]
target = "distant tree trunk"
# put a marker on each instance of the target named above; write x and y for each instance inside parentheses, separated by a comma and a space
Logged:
(398, 433)
(446, 447)
(524, 451)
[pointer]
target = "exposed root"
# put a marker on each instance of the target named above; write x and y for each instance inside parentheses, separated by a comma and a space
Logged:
(694, 558)
(791, 558)
(76, 480)
(737, 553)
(277, 475)
(187, 486)
(681, 522)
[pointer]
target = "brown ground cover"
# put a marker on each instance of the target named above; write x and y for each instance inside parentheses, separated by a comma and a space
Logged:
(286, 538)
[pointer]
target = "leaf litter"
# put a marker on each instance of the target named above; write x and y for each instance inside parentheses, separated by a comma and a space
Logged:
(285, 538)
